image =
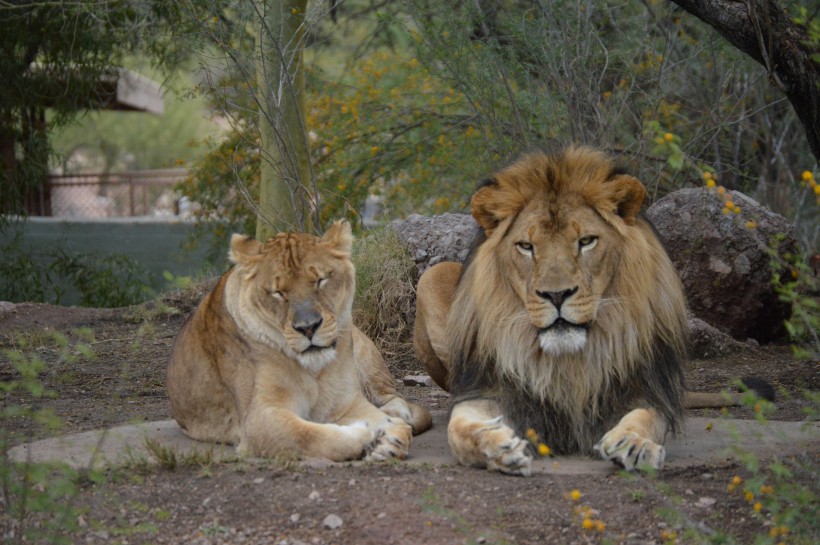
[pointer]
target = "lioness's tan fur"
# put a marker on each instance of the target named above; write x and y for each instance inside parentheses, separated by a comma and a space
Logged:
(271, 361)
(567, 318)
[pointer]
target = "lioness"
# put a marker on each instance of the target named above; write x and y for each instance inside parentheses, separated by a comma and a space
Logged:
(568, 318)
(271, 361)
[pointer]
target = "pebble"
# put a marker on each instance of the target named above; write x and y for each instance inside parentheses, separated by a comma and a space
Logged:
(332, 522)
(294, 518)
(314, 495)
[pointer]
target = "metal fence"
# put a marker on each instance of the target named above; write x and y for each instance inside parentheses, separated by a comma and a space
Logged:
(111, 195)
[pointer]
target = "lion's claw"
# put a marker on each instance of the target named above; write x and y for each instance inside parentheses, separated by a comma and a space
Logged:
(630, 451)
(505, 452)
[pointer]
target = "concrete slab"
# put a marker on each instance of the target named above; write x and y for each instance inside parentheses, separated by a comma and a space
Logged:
(703, 441)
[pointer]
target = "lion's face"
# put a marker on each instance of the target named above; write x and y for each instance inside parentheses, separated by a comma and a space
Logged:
(561, 264)
(554, 230)
(296, 291)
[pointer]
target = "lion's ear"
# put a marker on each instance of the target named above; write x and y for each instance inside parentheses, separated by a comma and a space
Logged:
(244, 249)
(492, 204)
(626, 194)
(340, 236)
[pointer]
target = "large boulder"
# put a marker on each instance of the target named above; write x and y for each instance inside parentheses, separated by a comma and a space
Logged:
(433, 239)
(724, 261)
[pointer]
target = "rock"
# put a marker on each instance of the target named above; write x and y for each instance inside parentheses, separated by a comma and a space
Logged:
(332, 522)
(417, 380)
(710, 342)
(433, 239)
(725, 265)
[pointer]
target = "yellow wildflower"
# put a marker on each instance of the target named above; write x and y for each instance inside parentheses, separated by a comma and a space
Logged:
(758, 507)
(531, 435)
(543, 450)
(736, 480)
(600, 526)
(587, 524)
(575, 495)
(707, 175)
(817, 190)
(736, 209)
(710, 183)
(726, 211)
(749, 495)
(751, 224)
(766, 489)
(669, 137)
(807, 175)
(721, 190)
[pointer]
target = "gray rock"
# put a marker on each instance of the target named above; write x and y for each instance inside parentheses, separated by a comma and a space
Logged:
(725, 265)
(332, 522)
(710, 342)
(433, 239)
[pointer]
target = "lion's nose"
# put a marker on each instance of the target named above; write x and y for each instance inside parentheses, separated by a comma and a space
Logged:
(557, 298)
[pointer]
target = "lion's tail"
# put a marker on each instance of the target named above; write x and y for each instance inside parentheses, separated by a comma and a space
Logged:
(707, 400)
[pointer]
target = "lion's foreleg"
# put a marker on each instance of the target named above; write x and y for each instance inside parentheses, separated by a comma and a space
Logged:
(479, 437)
(636, 441)
(273, 431)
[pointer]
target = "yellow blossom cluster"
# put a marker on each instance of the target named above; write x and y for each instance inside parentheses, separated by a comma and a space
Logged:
(754, 498)
(729, 207)
(588, 522)
(542, 449)
(808, 180)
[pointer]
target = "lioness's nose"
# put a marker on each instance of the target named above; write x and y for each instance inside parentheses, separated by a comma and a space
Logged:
(306, 319)
(557, 298)
(308, 328)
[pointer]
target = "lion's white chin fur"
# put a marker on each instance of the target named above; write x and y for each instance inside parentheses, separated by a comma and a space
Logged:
(563, 341)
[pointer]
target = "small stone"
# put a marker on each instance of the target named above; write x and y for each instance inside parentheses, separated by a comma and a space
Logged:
(332, 522)
(294, 518)
(314, 495)
(417, 380)
(381, 515)
(705, 502)
(259, 480)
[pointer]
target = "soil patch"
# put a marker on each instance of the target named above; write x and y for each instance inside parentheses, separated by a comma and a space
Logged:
(265, 502)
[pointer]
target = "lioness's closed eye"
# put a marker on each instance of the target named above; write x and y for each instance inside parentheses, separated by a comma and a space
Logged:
(271, 361)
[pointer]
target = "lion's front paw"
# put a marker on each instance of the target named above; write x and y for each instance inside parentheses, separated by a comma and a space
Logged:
(630, 451)
(500, 449)
(391, 442)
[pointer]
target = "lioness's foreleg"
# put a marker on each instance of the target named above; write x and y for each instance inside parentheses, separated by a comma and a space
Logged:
(636, 441)
(479, 437)
(273, 431)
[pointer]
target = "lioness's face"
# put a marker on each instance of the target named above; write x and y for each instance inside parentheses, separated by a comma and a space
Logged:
(300, 289)
(562, 258)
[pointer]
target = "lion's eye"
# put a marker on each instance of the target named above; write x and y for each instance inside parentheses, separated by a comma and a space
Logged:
(587, 243)
(524, 247)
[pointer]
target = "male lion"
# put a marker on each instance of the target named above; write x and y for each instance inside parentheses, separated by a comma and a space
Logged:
(568, 318)
(271, 361)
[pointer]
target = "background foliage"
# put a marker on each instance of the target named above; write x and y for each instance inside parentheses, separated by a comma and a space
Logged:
(416, 104)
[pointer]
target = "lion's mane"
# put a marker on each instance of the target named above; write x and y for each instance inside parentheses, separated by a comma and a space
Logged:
(636, 345)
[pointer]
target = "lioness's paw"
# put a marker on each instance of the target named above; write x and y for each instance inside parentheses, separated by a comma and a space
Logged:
(630, 451)
(360, 434)
(504, 451)
(392, 441)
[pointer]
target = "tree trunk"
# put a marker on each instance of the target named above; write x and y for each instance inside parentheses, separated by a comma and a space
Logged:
(764, 31)
(287, 198)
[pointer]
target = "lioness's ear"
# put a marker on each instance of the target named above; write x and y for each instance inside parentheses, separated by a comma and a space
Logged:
(243, 249)
(492, 204)
(340, 236)
(626, 195)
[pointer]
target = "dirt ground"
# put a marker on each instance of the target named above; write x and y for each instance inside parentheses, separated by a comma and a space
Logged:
(265, 502)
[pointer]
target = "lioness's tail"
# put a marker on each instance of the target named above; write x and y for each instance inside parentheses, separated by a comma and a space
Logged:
(708, 400)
